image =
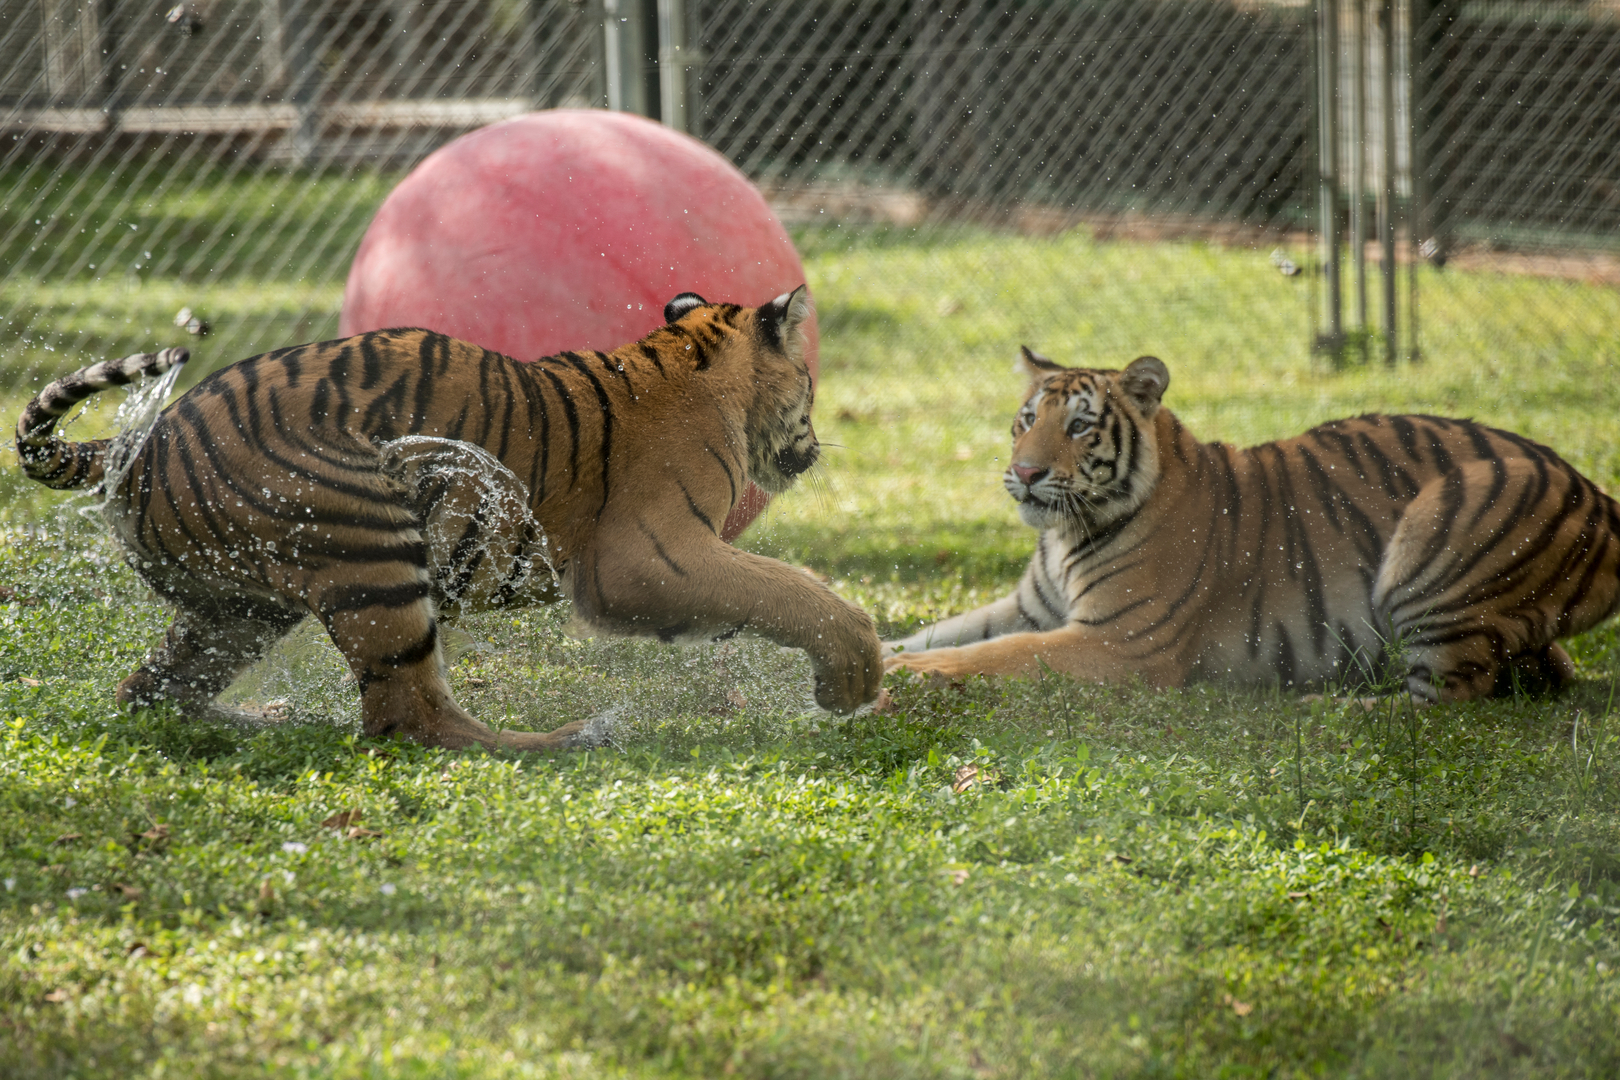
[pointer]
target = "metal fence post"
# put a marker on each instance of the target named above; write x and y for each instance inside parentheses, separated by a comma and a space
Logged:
(108, 47)
(1416, 181)
(1327, 189)
(304, 91)
(1387, 192)
(273, 45)
(1358, 165)
(672, 61)
(624, 56)
(613, 55)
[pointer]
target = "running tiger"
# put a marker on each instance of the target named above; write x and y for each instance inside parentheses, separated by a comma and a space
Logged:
(1442, 550)
(379, 481)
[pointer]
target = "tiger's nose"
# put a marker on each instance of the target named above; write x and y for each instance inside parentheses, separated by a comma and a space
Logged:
(1028, 474)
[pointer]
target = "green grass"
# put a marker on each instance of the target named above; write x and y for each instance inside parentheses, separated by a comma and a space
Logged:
(1193, 883)
(1139, 884)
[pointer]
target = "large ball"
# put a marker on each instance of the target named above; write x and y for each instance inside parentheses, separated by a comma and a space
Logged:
(568, 229)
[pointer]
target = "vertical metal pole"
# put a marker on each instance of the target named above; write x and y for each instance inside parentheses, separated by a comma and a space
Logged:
(273, 45)
(1327, 188)
(613, 53)
(1417, 184)
(534, 48)
(1386, 207)
(304, 92)
(1435, 105)
(56, 54)
(1358, 76)
(107, 46)
(672, 62)
(624, 57)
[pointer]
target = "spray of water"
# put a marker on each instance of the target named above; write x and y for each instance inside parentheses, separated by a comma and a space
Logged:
(136, 417)
(511, 562)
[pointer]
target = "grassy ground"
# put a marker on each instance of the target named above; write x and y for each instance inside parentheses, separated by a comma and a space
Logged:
(999, 880)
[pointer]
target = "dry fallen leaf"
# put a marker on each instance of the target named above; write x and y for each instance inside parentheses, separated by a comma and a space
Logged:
(966, 777)
(1242, 1008)
(342, 819)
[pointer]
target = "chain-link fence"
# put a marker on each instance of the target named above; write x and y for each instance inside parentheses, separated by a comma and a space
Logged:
(1107, 177)
(1517, 129)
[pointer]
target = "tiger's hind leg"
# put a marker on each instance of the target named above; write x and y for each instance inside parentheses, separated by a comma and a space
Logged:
(385, 626)
(1543, 672)
(381, 618)
(366, 571)
(203, 651)
(1487, 567)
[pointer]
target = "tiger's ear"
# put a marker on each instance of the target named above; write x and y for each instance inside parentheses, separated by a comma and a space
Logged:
(1034, 365)
(687, 301)
(781, 321)
(1144, 381)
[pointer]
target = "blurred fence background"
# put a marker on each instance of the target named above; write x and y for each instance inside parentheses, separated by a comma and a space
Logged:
(226, 156)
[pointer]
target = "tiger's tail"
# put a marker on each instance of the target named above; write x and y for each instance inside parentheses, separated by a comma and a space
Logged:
(51, 460)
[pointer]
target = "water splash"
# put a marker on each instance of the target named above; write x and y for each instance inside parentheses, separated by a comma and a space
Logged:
(478, 496)
(136, 416)
(303, 678)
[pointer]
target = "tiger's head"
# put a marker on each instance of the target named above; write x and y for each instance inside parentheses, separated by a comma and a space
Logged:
(765, 350)
(1084, 451)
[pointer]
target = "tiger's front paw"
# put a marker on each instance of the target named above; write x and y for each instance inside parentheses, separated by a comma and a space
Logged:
(849, 677)
(942, 663)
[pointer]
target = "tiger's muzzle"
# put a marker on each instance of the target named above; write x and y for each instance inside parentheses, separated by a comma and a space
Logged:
(797, 458)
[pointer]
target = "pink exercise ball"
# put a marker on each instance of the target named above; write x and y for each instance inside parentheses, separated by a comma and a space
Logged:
(568, 229)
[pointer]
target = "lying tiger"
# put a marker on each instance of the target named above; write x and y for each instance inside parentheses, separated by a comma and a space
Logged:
(1456, 552)
(378, 481)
